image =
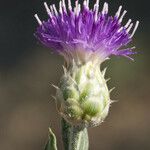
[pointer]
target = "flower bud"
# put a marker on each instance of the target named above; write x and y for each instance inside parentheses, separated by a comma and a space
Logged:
(83, 97)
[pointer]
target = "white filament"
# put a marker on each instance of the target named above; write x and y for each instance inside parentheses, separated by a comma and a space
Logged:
(84, 3)
(120, 29)
(51, 8)
(55, 10)
(96, 6)
(60, 7)
(78, 9)
(47, 9)
(105, 8)
(118, 12)
(96, 13)
(69, 5)
(64, 5)
(123, 14)
(128, 23)
(76, 3)
(129, 28)
(97, 2)
(87, 3)
(38, 19)
(134, 30)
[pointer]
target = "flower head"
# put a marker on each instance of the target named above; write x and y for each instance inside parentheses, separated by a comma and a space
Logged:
(85, 37)
(85, 34)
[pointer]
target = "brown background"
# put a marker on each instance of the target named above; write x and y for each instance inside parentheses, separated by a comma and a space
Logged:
(27, 70)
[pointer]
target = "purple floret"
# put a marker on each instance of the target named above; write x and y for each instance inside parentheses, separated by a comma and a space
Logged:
(83, 32)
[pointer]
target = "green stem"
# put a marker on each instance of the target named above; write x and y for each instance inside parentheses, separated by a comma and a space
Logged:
(74, 137)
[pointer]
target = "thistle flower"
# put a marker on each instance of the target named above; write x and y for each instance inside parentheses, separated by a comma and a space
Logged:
(85, 38)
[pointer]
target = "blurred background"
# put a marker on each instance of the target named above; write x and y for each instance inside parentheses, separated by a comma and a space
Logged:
(27, 70)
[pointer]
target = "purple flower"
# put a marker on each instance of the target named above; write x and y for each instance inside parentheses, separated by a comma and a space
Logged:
(85, 34)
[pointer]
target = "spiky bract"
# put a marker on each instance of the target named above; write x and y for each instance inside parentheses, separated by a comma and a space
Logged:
(83, 97)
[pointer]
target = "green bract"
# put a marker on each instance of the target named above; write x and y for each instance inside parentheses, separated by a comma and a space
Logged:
(83, 97)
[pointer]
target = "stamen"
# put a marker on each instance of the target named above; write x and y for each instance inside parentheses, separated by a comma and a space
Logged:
(87, 3)
(96, 12)
(38, 19)
(69, 5)
(51, 8)
(84, 3)
(95, 17)
(96, 6)
(76, 3)
(105, 8)
(78, 9)
(47, 9)
(123, 14)
(64, 5)
(120, 29)
(129, 28)
(118, 12)
(128, 23)
(60, 7)
(97, 2)
(135, 28)
(55, 10)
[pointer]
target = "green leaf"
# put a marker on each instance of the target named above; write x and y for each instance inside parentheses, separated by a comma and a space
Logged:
(52, 143)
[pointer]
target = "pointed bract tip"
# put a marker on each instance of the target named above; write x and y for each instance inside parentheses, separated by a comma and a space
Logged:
(111, 89)
(56, 87)
(104, 71)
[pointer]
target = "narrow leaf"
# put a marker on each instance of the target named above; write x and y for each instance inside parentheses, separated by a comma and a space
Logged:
(52, 143)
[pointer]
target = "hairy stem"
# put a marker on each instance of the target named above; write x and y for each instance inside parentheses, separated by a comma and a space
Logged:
(74, 137)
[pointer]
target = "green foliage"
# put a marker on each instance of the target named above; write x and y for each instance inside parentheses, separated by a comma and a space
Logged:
(52, 143)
